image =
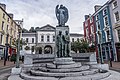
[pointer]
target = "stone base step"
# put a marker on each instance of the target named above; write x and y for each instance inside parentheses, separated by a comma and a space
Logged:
(53, 66)
(63, 61)
(77, 69)
(29, 77)
(43, 61)
(72, 74)
(97, 76)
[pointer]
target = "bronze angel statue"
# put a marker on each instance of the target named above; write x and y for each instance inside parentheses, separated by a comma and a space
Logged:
(61, 14)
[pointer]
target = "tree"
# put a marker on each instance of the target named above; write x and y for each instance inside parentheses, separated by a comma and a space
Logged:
(75, 46)
(81, 46)
(84, 45)
(21, 43)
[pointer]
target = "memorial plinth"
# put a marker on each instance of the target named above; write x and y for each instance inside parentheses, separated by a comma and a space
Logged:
(62, 42)
(63, 61)
(63, 56)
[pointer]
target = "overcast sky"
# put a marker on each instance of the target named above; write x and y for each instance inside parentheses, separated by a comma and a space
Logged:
(38, 13)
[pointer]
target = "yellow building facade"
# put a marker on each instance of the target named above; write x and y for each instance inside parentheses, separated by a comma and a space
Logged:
(8, 30)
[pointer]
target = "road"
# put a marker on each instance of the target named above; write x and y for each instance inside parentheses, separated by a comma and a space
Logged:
(5, 72)
(118, 70)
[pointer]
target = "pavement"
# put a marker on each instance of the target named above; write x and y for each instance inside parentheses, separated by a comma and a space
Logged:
(114, 76)
(8, 64)
(5, 71)
(14, 77)
(115, 66)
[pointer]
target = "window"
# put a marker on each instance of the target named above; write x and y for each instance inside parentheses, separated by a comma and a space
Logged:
(92, 29)
(98, 25)
(104, 11)
(108, 35)
(27, 40)
(114, 4)
(8, 20)
(72, 39)
(42, 38)
(11, 31)
(1, 39)
(91, 19)
(4, 15)
(99, 39)
(2, 25)
(106, 21)
(53, 38)
(33, 48)
(78, 39)
(32, 40)
(97, 17)
(10, 40)
(117, 16)
(86, 31)
(92, 38)
(15, 27)
(86, 23)
(48, 38)
(118, 35)
(14, 33)
(7, 28)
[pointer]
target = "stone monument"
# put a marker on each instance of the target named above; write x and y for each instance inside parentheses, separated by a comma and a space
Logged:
(62, 37)
(61, 65)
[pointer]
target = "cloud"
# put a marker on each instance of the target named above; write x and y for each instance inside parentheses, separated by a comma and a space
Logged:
(41, 12)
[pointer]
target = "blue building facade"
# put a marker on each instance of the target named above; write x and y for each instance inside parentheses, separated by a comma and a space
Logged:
(105, 41)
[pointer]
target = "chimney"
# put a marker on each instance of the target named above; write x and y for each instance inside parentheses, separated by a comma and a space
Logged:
(96, 7)
(86, 17)
(11, 15)
(3, 6)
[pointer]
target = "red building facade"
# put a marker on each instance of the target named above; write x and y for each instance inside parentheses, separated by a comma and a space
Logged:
(90, 31)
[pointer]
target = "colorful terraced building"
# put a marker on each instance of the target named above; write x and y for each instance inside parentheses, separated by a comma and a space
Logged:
(105, 39)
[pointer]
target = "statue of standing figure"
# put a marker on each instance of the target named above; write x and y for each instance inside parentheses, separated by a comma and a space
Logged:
(62, 42)
(59, 44)
(62, 15)
(66, 44)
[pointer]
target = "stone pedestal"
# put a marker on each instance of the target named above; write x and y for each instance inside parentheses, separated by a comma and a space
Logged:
(63, 61)
(62, 43)
(101, 66)
(16, 71)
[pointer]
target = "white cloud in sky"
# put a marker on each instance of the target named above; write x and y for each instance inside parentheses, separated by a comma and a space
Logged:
(37, 13)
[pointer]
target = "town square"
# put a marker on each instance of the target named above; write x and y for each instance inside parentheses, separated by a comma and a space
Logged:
(60, 40)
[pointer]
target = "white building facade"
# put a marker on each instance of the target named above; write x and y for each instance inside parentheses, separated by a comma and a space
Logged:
(42, 40)
(114, 6)
(115, 18)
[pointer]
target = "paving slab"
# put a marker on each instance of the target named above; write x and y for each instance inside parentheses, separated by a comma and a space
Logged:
(14, 77)
(114, 76)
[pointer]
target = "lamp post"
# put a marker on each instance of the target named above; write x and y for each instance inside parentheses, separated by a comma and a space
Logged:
(6, 50)
(101, 56)
(18, 48)
(110, 57)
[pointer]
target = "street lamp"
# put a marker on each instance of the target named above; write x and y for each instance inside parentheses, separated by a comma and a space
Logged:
(100, 41)
(110, 57)
(18, 48)
(6, 50)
